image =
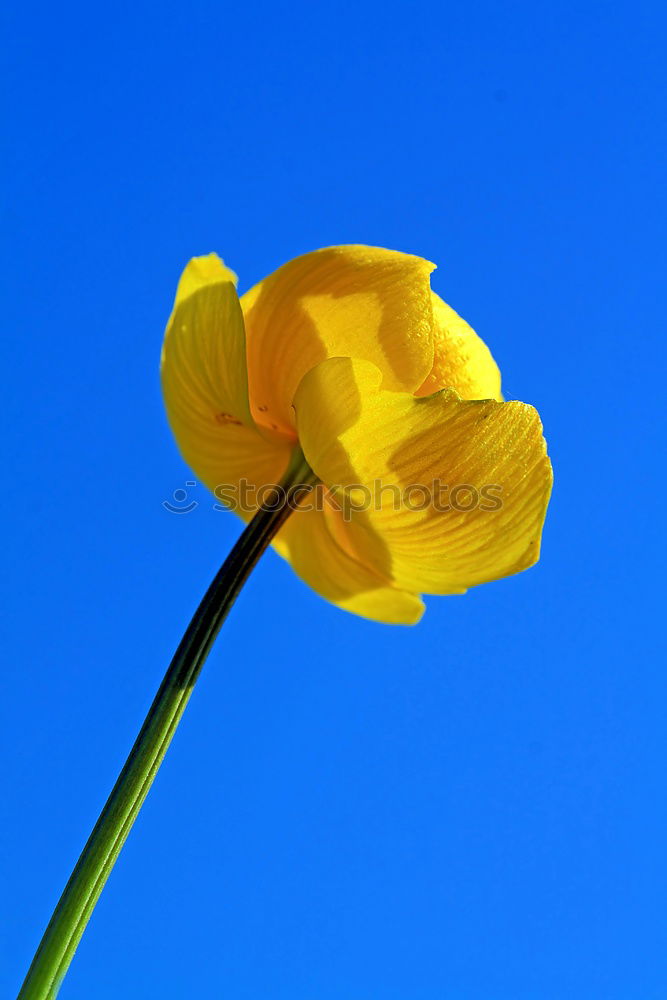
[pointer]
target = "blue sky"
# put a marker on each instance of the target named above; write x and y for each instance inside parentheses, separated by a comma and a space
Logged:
(473, 809)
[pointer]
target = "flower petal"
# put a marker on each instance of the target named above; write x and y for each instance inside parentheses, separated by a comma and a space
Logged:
(354, 433)
(360, 301)
(306, 542)
(205, 383)
(462, 360)
(200, 271)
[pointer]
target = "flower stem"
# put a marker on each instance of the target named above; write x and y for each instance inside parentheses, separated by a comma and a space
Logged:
(81, 893)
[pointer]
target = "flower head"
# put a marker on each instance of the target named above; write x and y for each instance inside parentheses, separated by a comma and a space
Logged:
(430, 482)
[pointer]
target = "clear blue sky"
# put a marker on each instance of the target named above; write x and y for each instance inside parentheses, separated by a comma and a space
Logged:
(473, 809)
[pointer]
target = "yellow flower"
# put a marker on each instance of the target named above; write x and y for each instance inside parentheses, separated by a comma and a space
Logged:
(432, 484)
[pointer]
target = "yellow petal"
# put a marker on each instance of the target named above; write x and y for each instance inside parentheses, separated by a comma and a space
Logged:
(206, 270)
(354, 432)
(462, 360)
(307, 544)
(205, 383)
(360, 301)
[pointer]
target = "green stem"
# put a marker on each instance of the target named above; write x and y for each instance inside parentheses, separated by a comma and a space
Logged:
(81, 893)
